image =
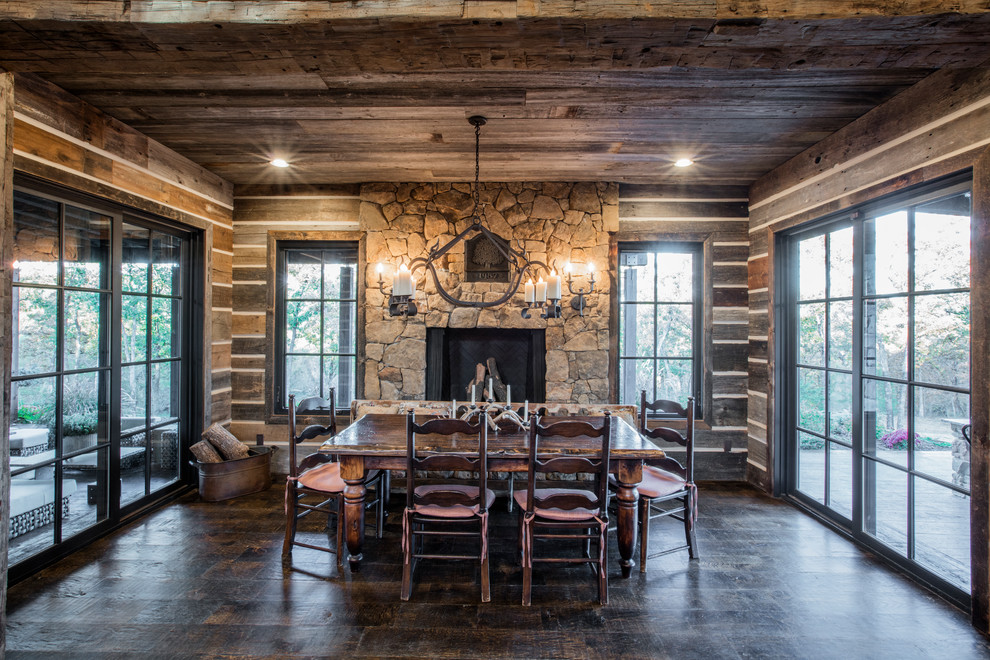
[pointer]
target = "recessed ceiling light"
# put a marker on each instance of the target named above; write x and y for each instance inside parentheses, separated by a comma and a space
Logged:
(278, 162)
(684, 162)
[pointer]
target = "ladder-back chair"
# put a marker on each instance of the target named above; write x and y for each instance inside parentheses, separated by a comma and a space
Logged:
(566, 513)
(314, 484)
(666, 480)
(445, 511)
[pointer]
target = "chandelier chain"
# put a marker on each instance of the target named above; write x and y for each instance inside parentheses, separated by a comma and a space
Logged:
(477, 168)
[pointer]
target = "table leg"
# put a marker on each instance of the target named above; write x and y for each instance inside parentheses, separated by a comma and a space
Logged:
(628, 476)
(352, 472)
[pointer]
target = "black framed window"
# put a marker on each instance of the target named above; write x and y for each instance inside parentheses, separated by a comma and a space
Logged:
(315, 321)
(875, 358)
(101, 390)
(660, 321)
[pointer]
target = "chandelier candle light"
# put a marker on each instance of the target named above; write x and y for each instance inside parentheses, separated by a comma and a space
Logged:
(544, 295)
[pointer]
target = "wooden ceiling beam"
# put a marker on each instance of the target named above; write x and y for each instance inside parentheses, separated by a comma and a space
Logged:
(289, 12)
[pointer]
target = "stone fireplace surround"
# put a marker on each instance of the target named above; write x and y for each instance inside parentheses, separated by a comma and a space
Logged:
(555, 222)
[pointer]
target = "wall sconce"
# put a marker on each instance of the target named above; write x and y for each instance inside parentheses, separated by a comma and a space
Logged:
(577, 301)
(400, 303)
(543, 295)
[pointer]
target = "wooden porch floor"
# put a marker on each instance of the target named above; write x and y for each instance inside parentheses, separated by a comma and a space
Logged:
(207, 580)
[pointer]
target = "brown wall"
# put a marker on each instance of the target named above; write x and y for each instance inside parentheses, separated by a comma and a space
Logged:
(61, 139)
(938, 127)
(263, 214)
(6, 257)
(717, 217)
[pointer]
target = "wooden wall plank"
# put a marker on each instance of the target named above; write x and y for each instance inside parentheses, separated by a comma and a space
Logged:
(728, 411)
(727, 332)
(980, 398)
(222, 298)
(220, 324)
(729, 382)
(248, 324)
(220, 355)
(242, 411)
(759, 273)
(729, 357)
(683, 226)
(248, 385)
(249, 345)
(220, 408)
(728, 273)
(738, 315)
(6, 327)
(252, 362)
(38, 143)
(250, 297)
(722, 252)
(220, 380)
(735, 297)
(680, 209)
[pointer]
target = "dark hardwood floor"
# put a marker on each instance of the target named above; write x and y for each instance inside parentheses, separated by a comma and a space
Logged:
(207, 580)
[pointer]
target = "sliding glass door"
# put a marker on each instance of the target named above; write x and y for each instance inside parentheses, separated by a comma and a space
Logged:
(99, 382)
(875, 359)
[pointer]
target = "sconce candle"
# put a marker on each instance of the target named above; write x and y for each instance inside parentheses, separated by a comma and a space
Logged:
(529, 291)
(553, 286)
(402, 284)
(541, 291)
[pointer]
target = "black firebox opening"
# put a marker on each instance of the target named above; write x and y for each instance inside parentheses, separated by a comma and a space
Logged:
(453, 353)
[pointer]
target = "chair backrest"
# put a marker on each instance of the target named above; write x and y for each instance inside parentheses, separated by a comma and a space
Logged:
(673, 411)
(473, 460)
(592, 462)
(309, 406)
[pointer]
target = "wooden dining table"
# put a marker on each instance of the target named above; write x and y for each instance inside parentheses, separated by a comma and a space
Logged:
(378, 441)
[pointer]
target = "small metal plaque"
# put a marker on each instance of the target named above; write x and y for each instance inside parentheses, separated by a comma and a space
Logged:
(484, 260)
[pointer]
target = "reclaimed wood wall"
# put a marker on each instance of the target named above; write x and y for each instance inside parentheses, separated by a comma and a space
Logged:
(61, 139)
(6, 326)
(262, 215)
(717, 217)
(938, 127)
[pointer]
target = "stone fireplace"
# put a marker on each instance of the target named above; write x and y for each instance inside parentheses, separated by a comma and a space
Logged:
(555, 222)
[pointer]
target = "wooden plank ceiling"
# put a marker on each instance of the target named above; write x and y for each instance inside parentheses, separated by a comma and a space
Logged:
(371, 91)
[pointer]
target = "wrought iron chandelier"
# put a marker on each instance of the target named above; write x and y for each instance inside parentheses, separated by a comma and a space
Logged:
(544, 295)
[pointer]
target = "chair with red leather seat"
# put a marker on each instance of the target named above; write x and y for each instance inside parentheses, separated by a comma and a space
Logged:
(314, 485)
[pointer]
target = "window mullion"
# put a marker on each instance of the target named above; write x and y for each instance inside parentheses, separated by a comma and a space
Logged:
(59, 368)
(911, 532)
(323, 298)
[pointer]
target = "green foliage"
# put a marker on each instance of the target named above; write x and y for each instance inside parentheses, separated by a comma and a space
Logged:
(79, 423)
(33, 414)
